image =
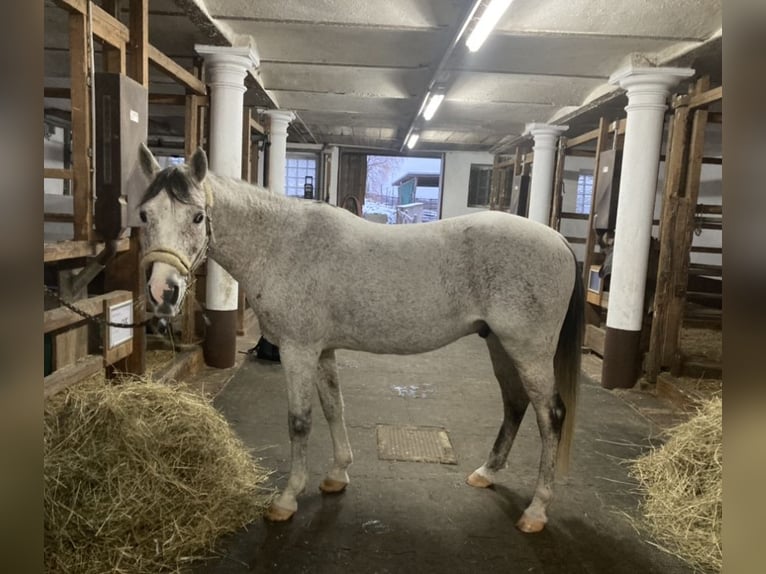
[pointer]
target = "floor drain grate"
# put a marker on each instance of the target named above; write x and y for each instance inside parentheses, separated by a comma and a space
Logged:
(415, 444)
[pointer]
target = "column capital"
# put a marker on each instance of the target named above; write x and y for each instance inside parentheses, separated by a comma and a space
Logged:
(544, 134)
(279, 120)
(227, 66)
(648, 88)
(539, 129)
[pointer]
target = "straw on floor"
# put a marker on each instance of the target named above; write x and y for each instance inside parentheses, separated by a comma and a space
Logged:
(682, 486)
(141, 477)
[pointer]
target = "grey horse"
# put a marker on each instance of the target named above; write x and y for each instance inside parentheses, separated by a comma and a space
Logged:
(321, 279)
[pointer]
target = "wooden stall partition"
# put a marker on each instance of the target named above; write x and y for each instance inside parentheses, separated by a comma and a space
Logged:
(682, 182)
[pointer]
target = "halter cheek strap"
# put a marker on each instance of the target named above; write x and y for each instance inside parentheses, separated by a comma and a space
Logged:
(177, 259)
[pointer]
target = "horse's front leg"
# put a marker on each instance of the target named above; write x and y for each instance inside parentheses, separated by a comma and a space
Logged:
(300, 365)
(332, 405)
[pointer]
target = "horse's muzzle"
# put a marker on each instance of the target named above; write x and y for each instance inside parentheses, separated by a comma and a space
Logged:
(165, 289)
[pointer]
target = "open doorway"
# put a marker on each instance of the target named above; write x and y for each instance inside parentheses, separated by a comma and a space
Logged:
(394, 189)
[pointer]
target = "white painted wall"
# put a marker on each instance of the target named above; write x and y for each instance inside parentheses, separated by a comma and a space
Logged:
(457, 171)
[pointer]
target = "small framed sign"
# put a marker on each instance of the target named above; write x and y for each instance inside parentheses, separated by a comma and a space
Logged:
(118, 341)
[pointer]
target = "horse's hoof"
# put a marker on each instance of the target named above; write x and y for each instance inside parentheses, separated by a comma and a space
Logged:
(530, 525)
(330, 486)
(278, 514)
(478, 481)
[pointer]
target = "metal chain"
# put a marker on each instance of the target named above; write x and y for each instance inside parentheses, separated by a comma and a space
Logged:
(95, 318)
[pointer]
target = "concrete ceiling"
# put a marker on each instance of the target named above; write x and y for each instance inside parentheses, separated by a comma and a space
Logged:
(356, 71)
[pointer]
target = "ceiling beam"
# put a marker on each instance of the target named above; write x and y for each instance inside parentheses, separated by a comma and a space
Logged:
(440, 68)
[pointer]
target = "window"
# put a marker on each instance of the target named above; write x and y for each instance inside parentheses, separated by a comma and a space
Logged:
(296, 170)
(584, 193)
(479, 184)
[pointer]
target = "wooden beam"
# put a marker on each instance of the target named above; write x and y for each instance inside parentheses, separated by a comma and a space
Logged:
(139, 41)
(58, 217)
(581, 152)
(79, 72)
(176, 71)
(61, 93)
(702, 249)
(704, 98)
(61, 317)
(710, 209)
(65, 377)
(62, 250)
(57, 173)
(618, 125)
(105, 26)
(573, 215)
(256, 126)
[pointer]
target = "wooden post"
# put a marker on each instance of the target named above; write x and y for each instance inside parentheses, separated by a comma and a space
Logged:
(191, 143)
(80, 74)
(674, 175)
(590, 238)
(592, 315)
(246, 145)
(682, 181)
(558, 184)
(684, 231)
(125, 271)
(494, 185)
(114, 58)
(139, 41)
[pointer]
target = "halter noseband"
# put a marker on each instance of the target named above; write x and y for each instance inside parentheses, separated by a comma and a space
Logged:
(175, 258)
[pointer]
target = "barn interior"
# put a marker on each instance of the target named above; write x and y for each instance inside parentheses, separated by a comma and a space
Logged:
(535, 121)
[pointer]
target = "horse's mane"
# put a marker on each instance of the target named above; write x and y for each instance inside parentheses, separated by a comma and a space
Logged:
(175, 182)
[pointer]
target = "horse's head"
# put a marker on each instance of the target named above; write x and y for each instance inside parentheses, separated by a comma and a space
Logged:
(174, 212)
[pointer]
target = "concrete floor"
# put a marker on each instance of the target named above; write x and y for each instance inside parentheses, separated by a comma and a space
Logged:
(421, 517)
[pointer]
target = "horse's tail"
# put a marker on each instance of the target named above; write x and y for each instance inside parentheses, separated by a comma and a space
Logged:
(566, 366)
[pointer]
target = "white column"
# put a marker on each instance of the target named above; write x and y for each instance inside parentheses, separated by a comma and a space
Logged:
(541, 187)
(225, 70)
(647, 90)
(278, 122)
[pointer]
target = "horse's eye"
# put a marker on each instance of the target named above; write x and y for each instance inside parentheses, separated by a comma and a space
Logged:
(142, 215)
(199, 218)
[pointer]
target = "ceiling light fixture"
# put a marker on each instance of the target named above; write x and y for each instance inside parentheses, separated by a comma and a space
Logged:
(433, 105)
(413, 140)
(487, 22)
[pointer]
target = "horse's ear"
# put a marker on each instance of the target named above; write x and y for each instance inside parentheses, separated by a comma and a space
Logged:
(149, 164)
(198, 164)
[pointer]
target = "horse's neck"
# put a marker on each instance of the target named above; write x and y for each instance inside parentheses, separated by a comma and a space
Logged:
(244, 219)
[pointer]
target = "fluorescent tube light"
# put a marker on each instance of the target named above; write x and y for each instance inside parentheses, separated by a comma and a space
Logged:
(487, 22)
(432, 106)
(413, 140)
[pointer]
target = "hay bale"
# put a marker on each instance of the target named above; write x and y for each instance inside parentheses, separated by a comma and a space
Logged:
(682, 486)
(141, 477)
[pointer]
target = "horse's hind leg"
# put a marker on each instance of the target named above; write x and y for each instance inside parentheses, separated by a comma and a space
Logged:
(332, 405)
(300, 365)
(537, 375)
(515, 403)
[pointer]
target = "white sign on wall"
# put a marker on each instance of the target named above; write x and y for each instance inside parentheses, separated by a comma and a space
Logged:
(120, 313)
